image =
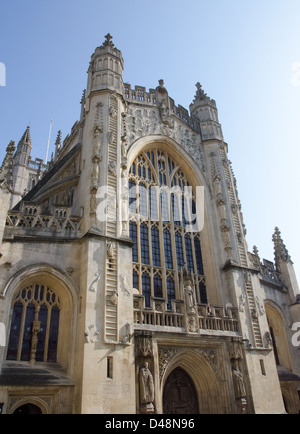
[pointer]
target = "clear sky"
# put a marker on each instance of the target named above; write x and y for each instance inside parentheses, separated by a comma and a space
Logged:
(246, 55)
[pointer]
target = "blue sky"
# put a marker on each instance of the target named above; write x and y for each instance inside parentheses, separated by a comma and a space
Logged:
(242, 52)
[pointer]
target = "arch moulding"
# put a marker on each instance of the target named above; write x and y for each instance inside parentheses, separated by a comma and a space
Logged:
(203, 376)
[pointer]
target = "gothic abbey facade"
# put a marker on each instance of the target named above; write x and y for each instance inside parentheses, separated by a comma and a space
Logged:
(126, 284)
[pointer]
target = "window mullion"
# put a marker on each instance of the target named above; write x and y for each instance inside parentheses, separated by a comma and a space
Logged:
(47, 335)
(21, 335)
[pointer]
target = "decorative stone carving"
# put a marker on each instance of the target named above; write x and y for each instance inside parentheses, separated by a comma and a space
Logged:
(111, 246)
(259, 306)
(112, 168)
(114, 298)
(236, 356)
(143, 344)
(211, 357)
(97, 140)
(267, 340)
(92, 286)
(93, 203)
(146, 388)
(242, 302)
(36, 326)
(165, 356)
(124, 285)
(113, 112)
(192, 324)
(111, 137)
(146, 121)
(124, 152)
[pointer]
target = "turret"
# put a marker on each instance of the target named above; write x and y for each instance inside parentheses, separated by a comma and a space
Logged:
(23, 149)
(20, 172)
(102, 114)
(285, 266)
(205, 109)
(6, 185)
(106, 67)
(7, 165)
(57, 145)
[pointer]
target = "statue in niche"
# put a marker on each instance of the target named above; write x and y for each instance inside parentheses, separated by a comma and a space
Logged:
(95, 170)
(110, 249)
(93, 202)
(146, 389)
(123, 149)
(97, 140)
(189, 290)
(260, 306)
(143, 344)
(238, 379)
(190, 297)
(237, 375)
(112, 168)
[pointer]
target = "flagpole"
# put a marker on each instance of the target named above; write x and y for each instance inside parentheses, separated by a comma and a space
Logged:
(48, 142)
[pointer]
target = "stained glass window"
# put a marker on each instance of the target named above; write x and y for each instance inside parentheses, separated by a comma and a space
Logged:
(157, 286)
(144, 244)
(155, 246)
(35, 303)
(162, 205)
(168, 249)
(133, 236)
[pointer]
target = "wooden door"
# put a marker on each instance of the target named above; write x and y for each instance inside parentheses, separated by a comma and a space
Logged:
(180, 396)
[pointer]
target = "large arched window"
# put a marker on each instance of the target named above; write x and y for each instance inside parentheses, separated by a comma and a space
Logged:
(34, 325)
(162, 212)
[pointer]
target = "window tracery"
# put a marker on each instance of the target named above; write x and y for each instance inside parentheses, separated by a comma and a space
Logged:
(34, 324)
(161, 208)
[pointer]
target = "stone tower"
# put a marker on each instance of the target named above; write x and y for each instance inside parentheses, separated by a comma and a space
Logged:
(126, 284)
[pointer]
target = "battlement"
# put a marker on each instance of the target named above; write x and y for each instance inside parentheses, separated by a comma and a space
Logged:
(139, 95)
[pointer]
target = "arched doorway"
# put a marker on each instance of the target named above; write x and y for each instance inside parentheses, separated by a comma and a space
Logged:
(180, 396)
(28, 409)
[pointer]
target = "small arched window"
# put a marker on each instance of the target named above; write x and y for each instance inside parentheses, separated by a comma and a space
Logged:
(34, 325)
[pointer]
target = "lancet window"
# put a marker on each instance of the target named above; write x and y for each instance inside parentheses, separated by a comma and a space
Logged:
(162, 225)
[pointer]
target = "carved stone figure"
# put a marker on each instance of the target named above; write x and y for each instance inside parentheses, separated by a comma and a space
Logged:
(97, 140)
(36, 326)
(112, 168)
(267, 340)
(143, 344)
(110, 249)
(190, 298)
(146, 389)
(260, 306)
(238, 380)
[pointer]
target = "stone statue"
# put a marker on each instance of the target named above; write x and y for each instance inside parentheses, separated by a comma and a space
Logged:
(238, 380)
(97, 140)
(146, 385)
(190, 298)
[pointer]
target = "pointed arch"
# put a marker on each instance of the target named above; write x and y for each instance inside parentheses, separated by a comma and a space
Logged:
(278, 334)
(169, 178)
(44, 288)
(202, 376)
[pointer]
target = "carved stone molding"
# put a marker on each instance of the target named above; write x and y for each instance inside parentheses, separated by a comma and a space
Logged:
(165, 356)
(143, 344)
